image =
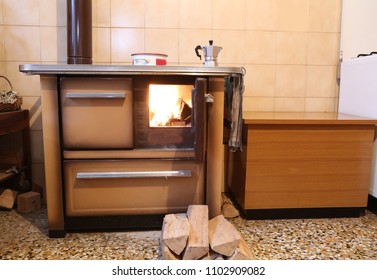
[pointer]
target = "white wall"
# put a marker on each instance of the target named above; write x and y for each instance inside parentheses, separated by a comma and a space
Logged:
(359, 28)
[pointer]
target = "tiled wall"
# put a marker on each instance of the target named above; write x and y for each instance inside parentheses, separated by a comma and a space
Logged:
(290, 48)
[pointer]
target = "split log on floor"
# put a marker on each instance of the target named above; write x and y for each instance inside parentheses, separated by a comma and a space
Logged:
(197, 245)
(227, 208)
(166, 253)
(7, 198)
(212, 255)
(242, 252)
(175, 232)
(224, 238)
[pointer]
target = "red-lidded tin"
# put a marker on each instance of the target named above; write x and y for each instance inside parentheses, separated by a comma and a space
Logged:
(149, 59)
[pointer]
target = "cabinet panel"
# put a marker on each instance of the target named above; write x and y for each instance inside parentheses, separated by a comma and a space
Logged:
(303, 166)
(308, 167)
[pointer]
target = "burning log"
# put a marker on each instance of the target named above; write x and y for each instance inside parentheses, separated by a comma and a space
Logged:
(180, 115)
(183, 116)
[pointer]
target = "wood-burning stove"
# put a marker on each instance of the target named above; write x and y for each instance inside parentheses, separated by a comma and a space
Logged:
(107, 165)
(114, 114)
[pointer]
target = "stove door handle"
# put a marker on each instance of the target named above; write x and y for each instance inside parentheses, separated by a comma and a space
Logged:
(110, 95)
(134, 174)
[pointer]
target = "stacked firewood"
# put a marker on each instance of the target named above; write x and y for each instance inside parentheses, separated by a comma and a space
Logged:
(191, 236)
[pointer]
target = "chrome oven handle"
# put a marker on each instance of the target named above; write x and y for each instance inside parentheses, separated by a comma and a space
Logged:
(133, 174)
(96, 95)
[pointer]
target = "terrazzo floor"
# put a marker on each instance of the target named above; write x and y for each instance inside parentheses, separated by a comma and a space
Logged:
(24, 236)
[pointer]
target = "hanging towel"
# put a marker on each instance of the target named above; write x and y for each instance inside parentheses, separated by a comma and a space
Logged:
(233, 90)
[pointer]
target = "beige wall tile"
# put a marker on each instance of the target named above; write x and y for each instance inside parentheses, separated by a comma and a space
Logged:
(293, 15)
(33, 104)
(162, 41)
(323, 48)
(292, 48)
(229, 14)
(53, 44)
(255, 103)
(195, 14)
(2, 47)
(25, 85)
(336, 105)
(1, 14)
(320, 104)
(325, 15)
(260, 80)
(162, 13)
(53, 13)
(188, 40)
(260, 47)
(3, 83)
(101, 13)
(261, 15)
(21, 12)
(124, 42)
(127, 13)
(290, 81)
(321, 81)
(101, 45)
(38, 174)
(36, 141)
(233, 46)
(22, 43)
(289, 104)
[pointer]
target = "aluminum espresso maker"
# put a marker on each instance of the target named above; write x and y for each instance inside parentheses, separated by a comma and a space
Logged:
(210, 53)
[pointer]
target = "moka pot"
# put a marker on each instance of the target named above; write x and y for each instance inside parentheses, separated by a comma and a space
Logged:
(210, 53)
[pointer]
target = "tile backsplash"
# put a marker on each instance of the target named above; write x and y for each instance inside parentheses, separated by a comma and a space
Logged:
(290, 48)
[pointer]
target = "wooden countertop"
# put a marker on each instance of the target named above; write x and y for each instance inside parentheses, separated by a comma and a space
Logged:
(303, 118)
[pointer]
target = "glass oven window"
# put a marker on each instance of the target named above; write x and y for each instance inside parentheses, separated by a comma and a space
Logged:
(170, 105)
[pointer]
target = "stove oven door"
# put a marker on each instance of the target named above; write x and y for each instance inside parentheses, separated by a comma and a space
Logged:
(158, 126)
(96, 113)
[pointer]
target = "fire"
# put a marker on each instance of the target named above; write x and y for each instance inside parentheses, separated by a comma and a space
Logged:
(170, 105)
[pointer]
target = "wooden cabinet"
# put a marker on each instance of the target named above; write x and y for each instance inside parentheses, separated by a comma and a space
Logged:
(302, 164)
(16, 121)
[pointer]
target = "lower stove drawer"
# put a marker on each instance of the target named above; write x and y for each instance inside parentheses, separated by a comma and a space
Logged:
(131, 187)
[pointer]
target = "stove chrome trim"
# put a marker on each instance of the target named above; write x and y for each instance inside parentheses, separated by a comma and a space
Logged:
(110, 95)
(134, 174)
(101, 69)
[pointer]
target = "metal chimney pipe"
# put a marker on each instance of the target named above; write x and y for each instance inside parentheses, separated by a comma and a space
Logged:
(79, 31)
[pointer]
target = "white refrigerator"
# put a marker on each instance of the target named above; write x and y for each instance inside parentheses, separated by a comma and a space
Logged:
(358, 96)
(358, 76)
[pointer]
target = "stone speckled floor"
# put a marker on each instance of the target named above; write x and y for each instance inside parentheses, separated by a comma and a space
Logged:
(25, 237)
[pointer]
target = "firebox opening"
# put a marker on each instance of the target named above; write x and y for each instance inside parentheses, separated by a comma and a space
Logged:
(170, 105)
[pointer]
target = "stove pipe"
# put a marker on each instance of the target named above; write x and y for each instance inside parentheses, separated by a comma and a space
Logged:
(79, 31)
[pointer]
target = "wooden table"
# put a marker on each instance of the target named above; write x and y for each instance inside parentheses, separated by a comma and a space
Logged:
(15, 121)
(297, 165)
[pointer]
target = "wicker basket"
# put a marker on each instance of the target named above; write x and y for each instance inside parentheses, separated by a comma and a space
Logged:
(6, 107)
